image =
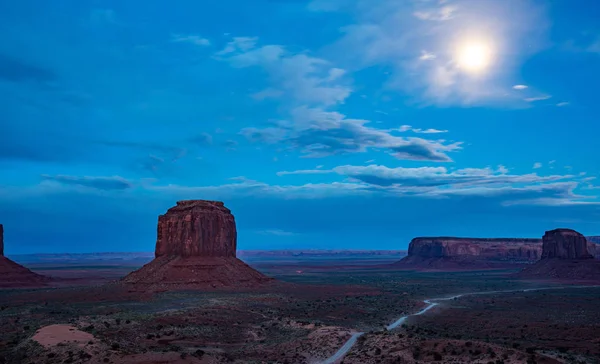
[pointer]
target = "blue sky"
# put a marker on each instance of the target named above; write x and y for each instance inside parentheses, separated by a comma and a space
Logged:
(322, 124)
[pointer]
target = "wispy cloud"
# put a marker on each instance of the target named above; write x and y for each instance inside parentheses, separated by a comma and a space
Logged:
(426, 56)
(429, 131)
(101, 183)
(303, 79)
(238, 44)
(193, 39)
(320, 133)
(395, 34)
(520, 87)
(276, 232)
(538, 98)
(436, 13)
(562, 104)
(537, 165)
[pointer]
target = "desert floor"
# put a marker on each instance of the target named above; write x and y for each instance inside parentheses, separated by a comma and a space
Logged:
(317, 304)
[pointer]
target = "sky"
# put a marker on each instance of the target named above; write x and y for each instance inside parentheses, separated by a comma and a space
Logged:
(324, 124)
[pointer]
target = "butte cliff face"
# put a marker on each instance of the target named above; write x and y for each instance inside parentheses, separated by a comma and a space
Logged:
(594, 245)
(565, 256)
(470, 253)
(196, 228)
(13, 275)
(195, 249)
(564, 244)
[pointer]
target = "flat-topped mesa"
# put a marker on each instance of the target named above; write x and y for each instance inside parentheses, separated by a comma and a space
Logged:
(480, 248)
(196, 228)
(565, 244)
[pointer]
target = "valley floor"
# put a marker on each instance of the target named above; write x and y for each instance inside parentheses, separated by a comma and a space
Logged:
(305, 318)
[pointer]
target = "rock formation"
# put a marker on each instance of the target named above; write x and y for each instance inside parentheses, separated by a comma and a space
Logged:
(594, 250)
(14, 275)
(470, 253)
(196, 228)
(565, 256)
(564, 244)
(594, 245)
(593, 239)
(195, 249)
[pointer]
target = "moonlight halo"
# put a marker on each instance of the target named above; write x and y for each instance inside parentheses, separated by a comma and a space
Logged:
(474, 55)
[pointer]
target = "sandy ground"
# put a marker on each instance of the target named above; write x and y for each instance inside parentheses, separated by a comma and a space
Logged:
(50, 336)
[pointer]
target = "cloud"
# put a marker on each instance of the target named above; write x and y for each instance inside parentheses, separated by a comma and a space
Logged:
(562, 104)
(158, 159)
(319, 133)
(426, 56)
(538, 98)
(276, 232)
(265, 135)
(441, 13)
(537, 165)
(428, 131)
(238, 44)
(299, 77)
(304, 171)
(100, 183)
(363, 181)
(519, 87)
(268, 93)
(433, 177)
(193, 39)
(394, 34)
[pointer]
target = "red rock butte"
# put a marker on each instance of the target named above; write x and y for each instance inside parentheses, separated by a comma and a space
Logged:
(196, 228)
(566, 255)
(13, 275)
(565, 244)
(195, 249)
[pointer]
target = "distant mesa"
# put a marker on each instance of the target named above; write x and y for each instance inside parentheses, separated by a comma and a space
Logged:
(13, 275)
(565, 256)
(593, 246)
(195, 249)
(450, 253)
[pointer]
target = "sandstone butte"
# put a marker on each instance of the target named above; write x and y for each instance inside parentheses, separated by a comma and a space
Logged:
(195, 249)
(565, 256)
(440, 253)
(13, 275)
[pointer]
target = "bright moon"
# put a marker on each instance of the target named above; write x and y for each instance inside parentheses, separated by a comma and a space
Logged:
(474, 56)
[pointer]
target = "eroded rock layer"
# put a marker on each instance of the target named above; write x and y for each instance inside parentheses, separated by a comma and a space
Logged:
(1, 240)
(484, 249)
(565, 256)
(195, 249)
(13, 275)
(449, 253)
(564, 244)
(196, 228)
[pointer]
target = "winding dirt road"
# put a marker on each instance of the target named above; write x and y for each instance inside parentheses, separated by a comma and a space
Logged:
(431, 303)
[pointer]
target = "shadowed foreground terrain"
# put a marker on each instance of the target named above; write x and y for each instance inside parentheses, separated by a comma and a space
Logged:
(305, 318)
